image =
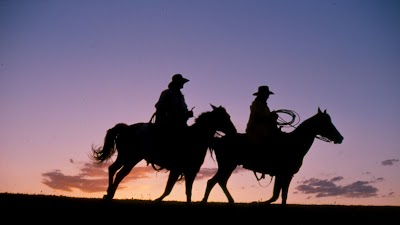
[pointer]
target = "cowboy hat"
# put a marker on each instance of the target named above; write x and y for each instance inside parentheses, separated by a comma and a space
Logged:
(263, 90)
(178, 78)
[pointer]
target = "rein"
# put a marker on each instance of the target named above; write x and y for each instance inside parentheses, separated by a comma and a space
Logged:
(152, 118)
(323, 138)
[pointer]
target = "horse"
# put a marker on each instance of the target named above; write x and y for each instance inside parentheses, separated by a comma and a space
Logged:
(281, 158)
(141, 141)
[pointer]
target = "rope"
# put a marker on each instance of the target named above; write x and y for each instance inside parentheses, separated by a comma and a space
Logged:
(262, 177)
(295, 118)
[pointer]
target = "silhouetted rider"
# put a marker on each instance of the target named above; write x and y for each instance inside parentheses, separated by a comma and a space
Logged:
(172, 112)
(262, 124)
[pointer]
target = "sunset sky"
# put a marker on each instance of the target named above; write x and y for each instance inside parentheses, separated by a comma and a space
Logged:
(70, 70)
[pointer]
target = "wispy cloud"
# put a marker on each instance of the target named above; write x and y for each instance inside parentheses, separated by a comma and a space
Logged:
(94, 178)
(327, 188)
(91, 178)
(389, 162)
(207, 173)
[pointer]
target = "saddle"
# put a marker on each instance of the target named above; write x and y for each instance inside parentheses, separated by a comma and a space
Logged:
(168, 147)
(263, 156)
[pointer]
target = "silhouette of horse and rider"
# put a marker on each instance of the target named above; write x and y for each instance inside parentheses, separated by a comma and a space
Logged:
(168, 142)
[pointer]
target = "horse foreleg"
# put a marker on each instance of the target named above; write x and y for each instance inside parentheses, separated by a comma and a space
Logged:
(276, 191)
(223, 182)
(126, 169)
(189, 180)
(221, 177)
(285, 187)
(172, 178)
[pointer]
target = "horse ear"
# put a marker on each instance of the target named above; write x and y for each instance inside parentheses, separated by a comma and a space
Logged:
(319, 110)
(325, 111)
(213, 106)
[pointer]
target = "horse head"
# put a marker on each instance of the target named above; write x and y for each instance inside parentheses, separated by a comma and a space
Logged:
(326, 129)
(222, 120)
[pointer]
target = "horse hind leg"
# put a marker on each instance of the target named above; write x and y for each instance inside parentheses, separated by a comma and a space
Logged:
(112, 169)
(210, 185)
(172, 178)
(122, 173)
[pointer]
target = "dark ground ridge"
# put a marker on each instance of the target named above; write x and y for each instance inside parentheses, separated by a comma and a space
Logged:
(39, 207)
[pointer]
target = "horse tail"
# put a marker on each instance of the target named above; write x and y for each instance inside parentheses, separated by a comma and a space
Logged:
(215, 143)
(102, 154)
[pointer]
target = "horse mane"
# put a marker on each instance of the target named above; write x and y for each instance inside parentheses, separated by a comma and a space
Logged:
(204, 116)
(311, 120)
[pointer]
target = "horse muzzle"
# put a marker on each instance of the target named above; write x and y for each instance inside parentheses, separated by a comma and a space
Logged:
(339, 140)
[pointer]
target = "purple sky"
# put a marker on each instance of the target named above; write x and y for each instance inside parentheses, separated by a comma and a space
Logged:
(70, 70)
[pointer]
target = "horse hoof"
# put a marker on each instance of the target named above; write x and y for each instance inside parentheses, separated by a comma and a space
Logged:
(158, 200)
(107, 198)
